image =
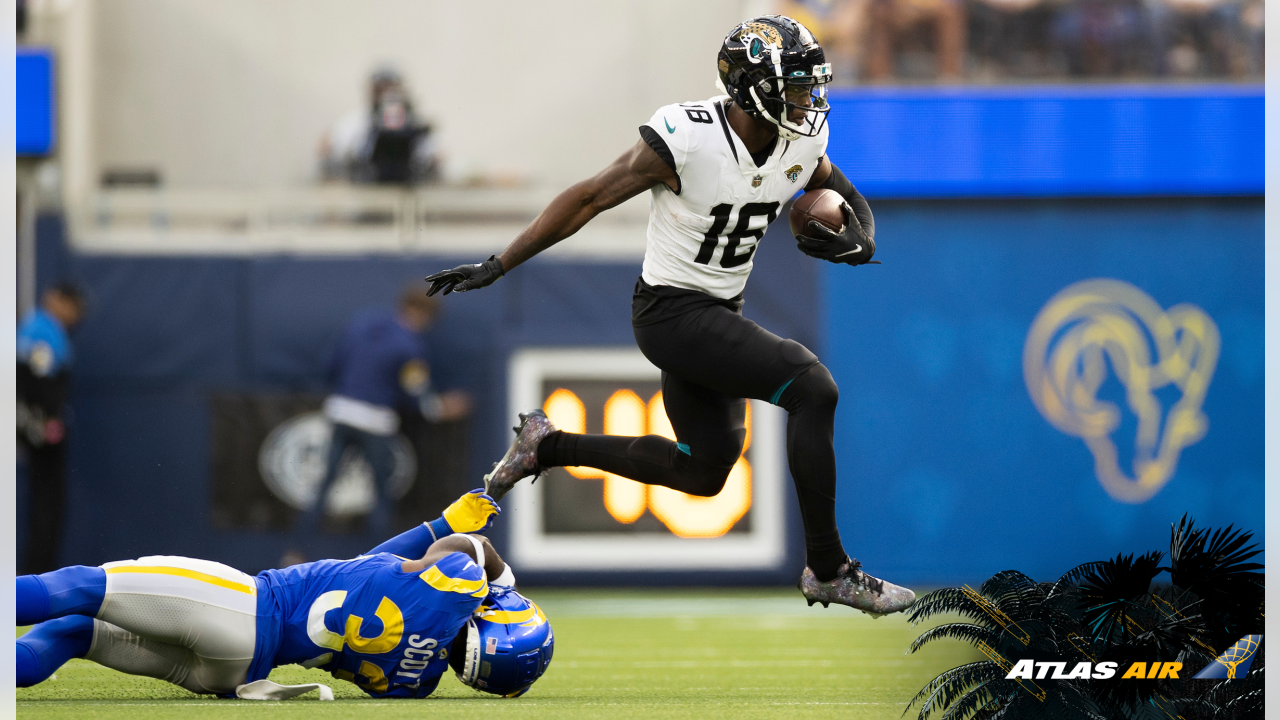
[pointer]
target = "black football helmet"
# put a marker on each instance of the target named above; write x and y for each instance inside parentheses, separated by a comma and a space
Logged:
(772, 67)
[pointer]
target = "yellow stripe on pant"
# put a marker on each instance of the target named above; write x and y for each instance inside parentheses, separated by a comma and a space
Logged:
(183, 572)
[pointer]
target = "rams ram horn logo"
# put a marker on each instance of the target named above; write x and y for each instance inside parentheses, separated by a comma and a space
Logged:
(793, 172)
(1099, 326)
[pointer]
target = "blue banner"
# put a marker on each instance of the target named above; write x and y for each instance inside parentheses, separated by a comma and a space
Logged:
(1050, 141)
(34, 101)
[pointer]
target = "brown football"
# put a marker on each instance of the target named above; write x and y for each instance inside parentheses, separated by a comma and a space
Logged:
(822, 205)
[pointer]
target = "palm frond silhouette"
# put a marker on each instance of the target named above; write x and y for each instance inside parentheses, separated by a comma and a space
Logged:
(1108, 611)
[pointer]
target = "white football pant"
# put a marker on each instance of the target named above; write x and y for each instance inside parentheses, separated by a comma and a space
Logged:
(190, 622)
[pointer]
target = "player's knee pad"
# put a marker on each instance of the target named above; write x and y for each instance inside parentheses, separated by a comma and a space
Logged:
(49, 645)
(813, 388)
(700, 478)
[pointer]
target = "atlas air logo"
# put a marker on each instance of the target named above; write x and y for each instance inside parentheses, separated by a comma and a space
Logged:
(1231, 665)
(1234, 663)
(1098, 327)
(1033, 670)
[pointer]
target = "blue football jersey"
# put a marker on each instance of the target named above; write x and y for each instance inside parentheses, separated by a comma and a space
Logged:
(366, 620)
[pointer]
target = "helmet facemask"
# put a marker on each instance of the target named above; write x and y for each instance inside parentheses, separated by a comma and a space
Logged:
(467, 662)
(803, 97)
(774, 69)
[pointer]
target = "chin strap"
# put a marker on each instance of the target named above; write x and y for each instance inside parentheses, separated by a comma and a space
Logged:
(267, 690)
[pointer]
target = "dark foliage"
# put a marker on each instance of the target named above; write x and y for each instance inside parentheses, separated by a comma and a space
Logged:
(1215, 568)
(1106, 611)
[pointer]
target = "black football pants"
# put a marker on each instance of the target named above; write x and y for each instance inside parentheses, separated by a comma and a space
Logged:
(47, 499)
(712, 358)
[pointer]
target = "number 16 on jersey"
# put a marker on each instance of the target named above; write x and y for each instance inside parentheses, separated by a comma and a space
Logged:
(731, 257)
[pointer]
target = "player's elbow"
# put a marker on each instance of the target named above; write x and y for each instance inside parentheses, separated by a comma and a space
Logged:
(590, 198)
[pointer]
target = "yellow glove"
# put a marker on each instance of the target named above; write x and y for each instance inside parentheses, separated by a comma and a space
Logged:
(473, 512)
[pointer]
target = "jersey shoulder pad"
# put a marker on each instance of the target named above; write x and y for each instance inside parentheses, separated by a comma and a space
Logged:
(681, 128)
(457, 573)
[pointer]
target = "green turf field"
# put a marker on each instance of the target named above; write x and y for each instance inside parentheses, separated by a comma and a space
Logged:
(619, 654)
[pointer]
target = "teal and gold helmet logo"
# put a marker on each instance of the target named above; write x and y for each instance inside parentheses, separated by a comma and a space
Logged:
(759, 38)
(1095, 328)
(767, 33)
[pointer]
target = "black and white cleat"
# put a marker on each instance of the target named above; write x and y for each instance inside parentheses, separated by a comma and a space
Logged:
(521, 459)
(855, 588)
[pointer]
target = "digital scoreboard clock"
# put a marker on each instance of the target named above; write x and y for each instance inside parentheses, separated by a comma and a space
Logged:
(580, 518)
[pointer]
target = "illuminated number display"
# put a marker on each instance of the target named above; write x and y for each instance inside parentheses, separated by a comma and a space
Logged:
(610, 503)
(582, 518)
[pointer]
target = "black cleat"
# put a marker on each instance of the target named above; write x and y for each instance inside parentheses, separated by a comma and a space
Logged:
(858, 590)
(521, 459)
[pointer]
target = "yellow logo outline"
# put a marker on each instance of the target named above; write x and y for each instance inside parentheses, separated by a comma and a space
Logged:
(1095, 323)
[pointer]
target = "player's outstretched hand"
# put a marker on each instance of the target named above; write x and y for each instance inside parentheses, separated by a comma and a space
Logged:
(851, 247)
(473, 512)
(466, 277)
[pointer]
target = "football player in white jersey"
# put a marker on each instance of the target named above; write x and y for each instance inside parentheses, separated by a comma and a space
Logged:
(719, 171)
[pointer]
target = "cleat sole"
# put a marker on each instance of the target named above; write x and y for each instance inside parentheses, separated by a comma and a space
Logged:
(499, 493)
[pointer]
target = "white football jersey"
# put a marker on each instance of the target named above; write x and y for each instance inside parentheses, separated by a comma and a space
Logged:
(703, 237)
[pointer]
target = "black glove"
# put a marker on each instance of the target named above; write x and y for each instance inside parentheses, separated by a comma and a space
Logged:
(852, 247)
(466, 277)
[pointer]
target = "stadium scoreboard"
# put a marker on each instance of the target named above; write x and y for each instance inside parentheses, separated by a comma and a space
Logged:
(579, 518)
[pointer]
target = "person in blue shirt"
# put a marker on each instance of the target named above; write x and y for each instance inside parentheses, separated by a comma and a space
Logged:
(378, 368)
(44, 359)
(391, 621)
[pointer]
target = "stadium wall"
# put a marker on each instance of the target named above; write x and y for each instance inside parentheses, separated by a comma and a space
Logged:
(166, 333)
(949, 472)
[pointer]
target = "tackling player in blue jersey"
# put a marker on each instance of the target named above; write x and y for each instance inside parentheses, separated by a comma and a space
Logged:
(387, 622)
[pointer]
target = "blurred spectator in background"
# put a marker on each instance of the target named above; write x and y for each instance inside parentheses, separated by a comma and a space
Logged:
(378, 368)
(1104, 38)
(1010, 37)
(1216, 38)
(385, 142)
(1010, 40)
(897, 34)
(44, 374)
(840, 26)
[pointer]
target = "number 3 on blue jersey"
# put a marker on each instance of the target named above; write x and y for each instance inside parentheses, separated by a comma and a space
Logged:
(388, 612)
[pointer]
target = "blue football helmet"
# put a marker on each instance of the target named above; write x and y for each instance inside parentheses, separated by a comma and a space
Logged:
(505, 646)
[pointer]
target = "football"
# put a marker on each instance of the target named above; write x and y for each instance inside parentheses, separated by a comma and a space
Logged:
(822, 205)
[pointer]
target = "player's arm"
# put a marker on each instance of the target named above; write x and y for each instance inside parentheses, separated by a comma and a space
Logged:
(494, 567)
(473, 512)
(637, 170)
(856, 244)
